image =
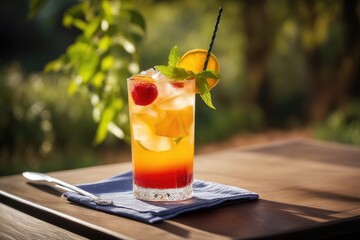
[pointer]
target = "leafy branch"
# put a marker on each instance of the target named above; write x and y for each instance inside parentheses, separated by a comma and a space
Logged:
(101, 59)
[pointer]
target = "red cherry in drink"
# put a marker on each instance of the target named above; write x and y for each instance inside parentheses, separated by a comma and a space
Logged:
(144, 93)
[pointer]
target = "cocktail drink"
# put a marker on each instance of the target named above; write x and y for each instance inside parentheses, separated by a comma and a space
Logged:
(162, 113)
(162, 136)
(162, 123)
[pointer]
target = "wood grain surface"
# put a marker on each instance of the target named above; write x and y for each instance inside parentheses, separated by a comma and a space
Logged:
(18, 225)
(308, 189)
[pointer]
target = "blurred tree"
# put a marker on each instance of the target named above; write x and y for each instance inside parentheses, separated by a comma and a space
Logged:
(330, 37)
(278, 35)
(257, 46)
(101, 59)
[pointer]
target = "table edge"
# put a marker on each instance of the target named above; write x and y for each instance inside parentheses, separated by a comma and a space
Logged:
(51, 216)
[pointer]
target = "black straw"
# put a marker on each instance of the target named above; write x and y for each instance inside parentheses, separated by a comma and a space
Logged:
(213, 38)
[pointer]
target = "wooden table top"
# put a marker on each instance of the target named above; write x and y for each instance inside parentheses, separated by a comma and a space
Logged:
(308, 189)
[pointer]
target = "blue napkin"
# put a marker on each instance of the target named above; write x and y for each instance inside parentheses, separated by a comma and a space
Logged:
(119, 190)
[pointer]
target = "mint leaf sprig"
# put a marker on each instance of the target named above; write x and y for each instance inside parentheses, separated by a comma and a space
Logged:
(176, 73)
(174, 57)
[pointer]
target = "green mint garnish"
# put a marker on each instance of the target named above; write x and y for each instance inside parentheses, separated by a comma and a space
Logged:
(174, 57)
(178, 73)
(204, 91)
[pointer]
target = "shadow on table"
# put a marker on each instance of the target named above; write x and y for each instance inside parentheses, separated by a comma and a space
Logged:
(252, 219)
(46, 188)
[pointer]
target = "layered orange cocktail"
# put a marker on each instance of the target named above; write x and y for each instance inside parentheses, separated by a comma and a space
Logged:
(162, 136)
(162, 122)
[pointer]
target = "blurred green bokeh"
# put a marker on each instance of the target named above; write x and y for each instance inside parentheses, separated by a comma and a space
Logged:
(284, 65)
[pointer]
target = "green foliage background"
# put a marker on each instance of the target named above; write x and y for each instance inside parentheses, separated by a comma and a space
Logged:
(102, 56)
(284, 64)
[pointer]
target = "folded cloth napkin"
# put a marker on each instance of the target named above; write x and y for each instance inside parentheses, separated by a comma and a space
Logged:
(119, 190)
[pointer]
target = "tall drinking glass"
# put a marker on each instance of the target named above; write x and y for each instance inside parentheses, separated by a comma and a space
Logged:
(162, 122)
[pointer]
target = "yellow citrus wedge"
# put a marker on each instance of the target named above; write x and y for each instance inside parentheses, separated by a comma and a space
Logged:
(175, 123)
(194, 61)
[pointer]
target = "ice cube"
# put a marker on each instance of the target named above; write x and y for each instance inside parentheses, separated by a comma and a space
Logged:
(142, 126)
(148, 73)
(144, 110)
(177, 102)
(140, 130)
(159, 77)
(154, 74)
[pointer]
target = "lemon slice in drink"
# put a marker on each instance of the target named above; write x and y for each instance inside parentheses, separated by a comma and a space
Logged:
(143, 133)
(156, 143)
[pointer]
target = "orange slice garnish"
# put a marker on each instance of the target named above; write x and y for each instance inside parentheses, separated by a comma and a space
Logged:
(194, 61)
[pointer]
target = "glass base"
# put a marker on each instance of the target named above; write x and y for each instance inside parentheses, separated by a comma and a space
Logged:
(163, 195)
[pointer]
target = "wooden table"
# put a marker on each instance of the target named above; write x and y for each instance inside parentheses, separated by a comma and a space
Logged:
(308, 190)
